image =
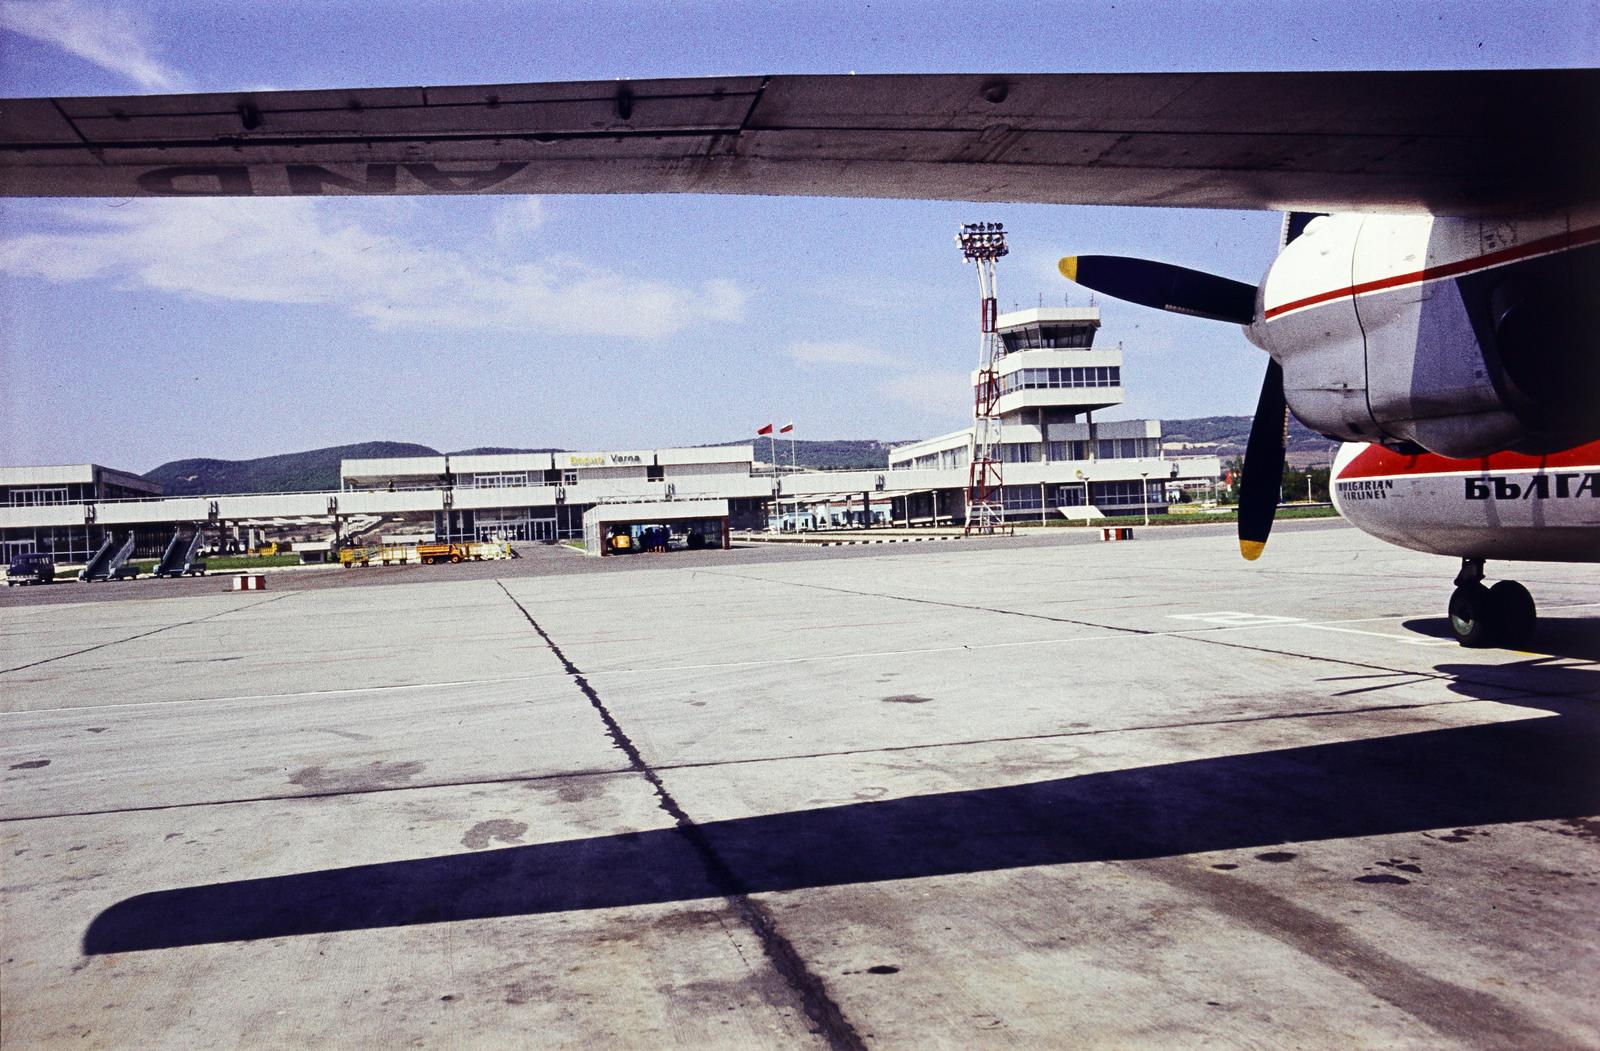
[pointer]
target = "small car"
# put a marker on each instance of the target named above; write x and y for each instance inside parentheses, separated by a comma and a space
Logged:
(31, 568)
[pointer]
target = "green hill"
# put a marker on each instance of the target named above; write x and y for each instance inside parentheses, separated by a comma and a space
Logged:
(1227, 436)
(315, 469)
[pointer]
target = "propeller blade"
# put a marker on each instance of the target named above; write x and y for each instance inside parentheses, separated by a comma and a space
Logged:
(1164, 286)
(1263, 465)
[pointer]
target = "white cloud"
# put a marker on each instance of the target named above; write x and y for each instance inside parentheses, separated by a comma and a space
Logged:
(108, 36)
(291, 250)
(836, 352)
(939, 393)
(517, 218)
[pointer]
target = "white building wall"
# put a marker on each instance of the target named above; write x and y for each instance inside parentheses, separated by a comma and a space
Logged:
(41, 516)
(498, 463)
(372, 470)
(133, 512)
(64, 474)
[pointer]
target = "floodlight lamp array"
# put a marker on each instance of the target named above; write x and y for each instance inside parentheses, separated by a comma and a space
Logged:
(982, 241)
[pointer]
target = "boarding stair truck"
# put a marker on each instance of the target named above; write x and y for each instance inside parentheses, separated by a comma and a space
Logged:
(110, 562)
(179, 558)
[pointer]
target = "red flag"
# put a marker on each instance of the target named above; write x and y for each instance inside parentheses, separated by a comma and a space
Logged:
(786, 428)
(765, 430)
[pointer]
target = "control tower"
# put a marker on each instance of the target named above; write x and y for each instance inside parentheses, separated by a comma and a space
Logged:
(1051, 375)
(1050, 379)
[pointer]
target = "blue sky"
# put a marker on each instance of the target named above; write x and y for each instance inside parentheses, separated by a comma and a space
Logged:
(136, 332)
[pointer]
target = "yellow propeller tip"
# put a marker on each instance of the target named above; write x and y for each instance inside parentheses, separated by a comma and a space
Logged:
(1251, 549)
(1069, 267)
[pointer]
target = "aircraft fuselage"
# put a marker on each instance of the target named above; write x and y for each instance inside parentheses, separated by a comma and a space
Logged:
(1506, 505)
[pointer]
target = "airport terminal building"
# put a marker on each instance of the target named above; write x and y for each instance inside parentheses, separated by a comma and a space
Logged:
(543, 496)
(52, 509)
(1058, 461)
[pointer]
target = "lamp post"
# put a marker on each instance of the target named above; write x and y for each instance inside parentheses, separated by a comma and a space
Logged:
(1308, 487)
(982, 244)
(1144, 494)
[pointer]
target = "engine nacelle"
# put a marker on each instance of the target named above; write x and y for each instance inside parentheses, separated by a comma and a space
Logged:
(1462, 336)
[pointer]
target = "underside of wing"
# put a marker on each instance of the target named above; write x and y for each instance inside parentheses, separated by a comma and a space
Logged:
(1450, 142)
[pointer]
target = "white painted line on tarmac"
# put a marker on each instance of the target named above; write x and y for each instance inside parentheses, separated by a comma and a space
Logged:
(1176, 633)
(1233, 618)
(1379, 635)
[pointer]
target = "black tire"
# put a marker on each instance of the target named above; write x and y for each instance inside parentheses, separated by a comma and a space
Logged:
(1514, 611)
(1472, 616)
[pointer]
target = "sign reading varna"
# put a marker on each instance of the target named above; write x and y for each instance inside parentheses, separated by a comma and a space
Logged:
(601, 459)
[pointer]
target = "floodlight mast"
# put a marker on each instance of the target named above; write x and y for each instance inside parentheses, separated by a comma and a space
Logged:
(981, 245)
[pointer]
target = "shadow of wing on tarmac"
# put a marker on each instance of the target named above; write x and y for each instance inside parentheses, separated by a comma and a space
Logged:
(1538, 768)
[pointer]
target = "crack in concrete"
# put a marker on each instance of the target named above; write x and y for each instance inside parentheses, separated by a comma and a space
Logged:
(145, 634)
(818, 1005)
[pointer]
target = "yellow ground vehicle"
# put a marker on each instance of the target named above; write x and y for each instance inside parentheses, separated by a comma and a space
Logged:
(431, 553)
(387, 554)
(265, 550)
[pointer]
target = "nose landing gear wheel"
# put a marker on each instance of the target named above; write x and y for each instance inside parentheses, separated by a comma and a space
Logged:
(1490, 616)
(1472, 618)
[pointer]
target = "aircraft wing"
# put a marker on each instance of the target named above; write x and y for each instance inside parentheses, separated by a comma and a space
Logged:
(1451, 142)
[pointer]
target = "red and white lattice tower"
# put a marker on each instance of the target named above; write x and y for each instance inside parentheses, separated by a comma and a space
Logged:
(981, 244)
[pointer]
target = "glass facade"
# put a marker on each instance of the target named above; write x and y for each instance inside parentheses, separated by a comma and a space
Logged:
(1035, 452)
(61, 543)
(1105, 495)
(1054, 379)
(1048, 337)
(944, 460)
(502, 480)
(1123, 494)
(561, 522)
(41, 497)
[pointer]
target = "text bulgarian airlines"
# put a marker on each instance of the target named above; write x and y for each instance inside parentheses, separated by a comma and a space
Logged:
(1366, 489)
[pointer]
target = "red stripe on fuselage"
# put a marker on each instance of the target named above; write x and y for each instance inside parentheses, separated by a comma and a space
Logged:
(1377, 462)
(1554, 243)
